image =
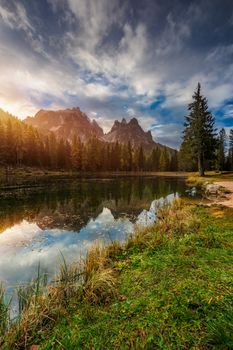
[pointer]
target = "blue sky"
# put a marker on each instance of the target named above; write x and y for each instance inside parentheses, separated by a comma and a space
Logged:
(118, 59)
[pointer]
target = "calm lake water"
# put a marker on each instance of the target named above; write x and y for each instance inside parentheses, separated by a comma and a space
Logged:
(67, 218)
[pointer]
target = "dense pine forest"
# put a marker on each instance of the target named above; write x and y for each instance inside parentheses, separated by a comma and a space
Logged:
(23, 145)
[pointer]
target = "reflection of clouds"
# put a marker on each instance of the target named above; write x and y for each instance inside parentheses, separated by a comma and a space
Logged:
(148, 217)
(25, 245)
(19, 234)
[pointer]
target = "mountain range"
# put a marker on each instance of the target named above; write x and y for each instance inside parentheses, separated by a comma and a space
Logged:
(73, 122)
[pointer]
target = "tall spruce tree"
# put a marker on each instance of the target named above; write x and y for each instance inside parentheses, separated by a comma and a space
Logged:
(221, 158)
(231, 150)
(164, 160)
(199, 138)
(140, 159)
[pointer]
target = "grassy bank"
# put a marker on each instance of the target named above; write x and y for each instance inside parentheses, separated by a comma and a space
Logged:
(193, 179)
(168, 287)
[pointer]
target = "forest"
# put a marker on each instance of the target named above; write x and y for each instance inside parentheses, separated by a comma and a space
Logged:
(23, 145)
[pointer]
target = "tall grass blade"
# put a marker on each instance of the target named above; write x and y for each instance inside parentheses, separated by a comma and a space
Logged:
(4, 312)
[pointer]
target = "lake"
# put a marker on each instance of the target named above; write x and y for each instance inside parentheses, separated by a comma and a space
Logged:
(39, 226)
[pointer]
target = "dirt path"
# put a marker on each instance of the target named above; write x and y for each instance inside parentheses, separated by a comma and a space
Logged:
(228, 202)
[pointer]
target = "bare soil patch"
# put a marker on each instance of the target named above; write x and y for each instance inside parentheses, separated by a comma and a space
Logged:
(228, 200)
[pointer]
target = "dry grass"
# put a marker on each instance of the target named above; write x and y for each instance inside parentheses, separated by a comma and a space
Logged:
(174, 219)
(139, 238)
(177, 219)
(193, 179)
(113, 250)
(196, 181)
(99, 283)
(100, 286)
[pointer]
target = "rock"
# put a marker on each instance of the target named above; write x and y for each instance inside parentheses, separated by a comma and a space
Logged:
(124, 132)
(66, 124)
(192, 192)
(212, 189)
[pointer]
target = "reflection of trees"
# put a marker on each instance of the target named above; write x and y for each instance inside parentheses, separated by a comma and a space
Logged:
(71, 205)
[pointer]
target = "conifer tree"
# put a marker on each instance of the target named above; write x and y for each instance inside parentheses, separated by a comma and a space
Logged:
(2, 144)
(106, 157)
(47, 153)
(67, 155)
(174, 162)
(221, 159)
(75, 154)
(141, 160)
(230, 156)
(164, 160)
(116, 157)
(154, 159)
(129, 157)
(199, 138)
(53, 150)
(61, 154)
(10, 143)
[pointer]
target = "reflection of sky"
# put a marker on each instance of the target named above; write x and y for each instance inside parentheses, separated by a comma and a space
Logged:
(24, 245)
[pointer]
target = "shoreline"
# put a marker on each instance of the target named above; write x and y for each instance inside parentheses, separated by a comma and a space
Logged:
(227, 185)
(127, 287)
(220, 189)
(34, 178)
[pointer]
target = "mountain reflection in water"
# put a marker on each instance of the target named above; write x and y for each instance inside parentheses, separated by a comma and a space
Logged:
(68, 221)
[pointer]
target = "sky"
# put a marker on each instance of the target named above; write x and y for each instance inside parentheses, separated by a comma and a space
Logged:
(118, 59)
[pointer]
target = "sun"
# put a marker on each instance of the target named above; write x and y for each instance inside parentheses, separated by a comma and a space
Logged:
(17, 108)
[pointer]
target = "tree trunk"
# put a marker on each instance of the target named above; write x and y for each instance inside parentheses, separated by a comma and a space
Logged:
(201, 165)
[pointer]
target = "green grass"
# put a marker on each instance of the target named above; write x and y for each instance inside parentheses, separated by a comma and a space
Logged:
(169, 287)
(173, 296)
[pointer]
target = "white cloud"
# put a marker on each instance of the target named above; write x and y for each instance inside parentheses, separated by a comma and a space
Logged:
(163, 132)
(95, 18)
(173, 37)
(105, 53)
(16, 19)
(130, 111)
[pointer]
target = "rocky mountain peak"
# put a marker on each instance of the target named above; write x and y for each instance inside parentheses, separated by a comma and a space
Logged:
(66, 124)
(115, 126)
(134, 121)
(124, 131)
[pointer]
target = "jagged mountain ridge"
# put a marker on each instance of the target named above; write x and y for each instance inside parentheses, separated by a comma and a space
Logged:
(69, 122)
(124, 132)
(66, 124)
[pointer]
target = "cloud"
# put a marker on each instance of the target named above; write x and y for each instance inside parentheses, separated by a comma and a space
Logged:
(24, 246)
(16, 18)
(130, 111)
(162, 133)
(228, 111)
(94, 19)
(104, 55)
(173, 37)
